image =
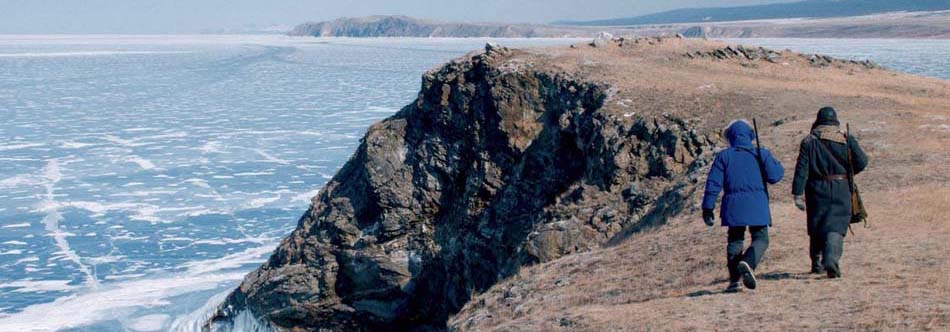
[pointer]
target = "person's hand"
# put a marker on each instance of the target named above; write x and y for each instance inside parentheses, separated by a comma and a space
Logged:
(800, 202)
(708, 217)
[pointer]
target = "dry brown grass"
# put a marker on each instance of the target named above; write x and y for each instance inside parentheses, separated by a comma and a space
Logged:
(896, 279)
(896, 274)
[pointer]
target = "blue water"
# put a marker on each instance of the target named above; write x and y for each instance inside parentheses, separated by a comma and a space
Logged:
(142, 176)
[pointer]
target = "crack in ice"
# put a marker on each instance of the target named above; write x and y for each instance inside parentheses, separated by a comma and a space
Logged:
(270, 158)
(52, 174)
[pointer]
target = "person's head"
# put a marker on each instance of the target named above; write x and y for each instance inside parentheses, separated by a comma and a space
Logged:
(827, 116)
(739, 133)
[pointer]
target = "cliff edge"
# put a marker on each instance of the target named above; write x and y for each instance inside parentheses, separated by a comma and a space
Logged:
(522, 160)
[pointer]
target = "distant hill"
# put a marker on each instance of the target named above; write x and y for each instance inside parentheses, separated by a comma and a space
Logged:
(809, 8)
(404, 26)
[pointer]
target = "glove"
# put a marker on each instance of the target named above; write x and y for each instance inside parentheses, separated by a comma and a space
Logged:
(800, 202)
(708, 217)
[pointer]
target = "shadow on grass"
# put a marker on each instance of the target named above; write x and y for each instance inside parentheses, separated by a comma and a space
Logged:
(785, 276)
(704, 292)
(766, 276)
(774, 276)
(707, 292)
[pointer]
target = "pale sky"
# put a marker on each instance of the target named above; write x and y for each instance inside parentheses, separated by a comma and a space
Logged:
(191, 16)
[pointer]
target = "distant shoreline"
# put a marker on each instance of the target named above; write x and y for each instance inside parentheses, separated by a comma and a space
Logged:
(899, 25)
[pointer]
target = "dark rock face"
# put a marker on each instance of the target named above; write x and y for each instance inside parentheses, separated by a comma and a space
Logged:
(694, 32)
(497, 164)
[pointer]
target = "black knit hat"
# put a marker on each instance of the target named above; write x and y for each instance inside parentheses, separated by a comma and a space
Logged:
(827, 116)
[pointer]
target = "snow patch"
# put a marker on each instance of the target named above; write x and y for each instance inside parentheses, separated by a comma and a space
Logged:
(305, 196)
(145, 164)
(261, 202)
(148, 323)
(20, 146)
(31, 286)
(119, 300)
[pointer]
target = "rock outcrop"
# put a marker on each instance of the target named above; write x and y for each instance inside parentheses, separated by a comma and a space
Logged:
(739, 52)
(499, 163)
(760, 53)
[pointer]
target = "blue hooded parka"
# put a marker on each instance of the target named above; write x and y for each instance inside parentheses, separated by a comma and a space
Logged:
(737, 173)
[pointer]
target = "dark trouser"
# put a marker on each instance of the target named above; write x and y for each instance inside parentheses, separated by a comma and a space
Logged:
(825, 251)
(752, 256)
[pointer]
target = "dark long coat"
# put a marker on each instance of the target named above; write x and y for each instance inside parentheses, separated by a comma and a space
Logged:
(828, 201)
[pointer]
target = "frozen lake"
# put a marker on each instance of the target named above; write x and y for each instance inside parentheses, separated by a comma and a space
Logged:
(142, 176)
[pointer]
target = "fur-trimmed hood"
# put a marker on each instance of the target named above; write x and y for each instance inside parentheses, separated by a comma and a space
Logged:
(739, 133)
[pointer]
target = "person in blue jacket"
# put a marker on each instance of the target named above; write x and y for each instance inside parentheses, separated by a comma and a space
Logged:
(741, 173)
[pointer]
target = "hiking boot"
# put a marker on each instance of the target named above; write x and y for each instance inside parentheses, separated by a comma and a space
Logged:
(734, 287)
(834, 274)
(817, 269)
(748, 278)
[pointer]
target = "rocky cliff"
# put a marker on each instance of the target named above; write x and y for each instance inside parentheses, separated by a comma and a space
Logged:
(671, 278)
(499, 163)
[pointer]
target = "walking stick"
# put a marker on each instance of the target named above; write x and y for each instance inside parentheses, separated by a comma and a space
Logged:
(857, 206)
(758, 143)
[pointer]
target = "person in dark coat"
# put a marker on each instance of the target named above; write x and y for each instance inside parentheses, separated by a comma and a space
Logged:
(821, 188)
(741, 172)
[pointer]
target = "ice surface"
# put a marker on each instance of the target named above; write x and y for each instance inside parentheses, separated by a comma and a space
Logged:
(917, 56)
(75, 54)
(124, 300)
(19, 146)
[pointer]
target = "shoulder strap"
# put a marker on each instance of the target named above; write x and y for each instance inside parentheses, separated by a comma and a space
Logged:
(846, 165)
(842, 163)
